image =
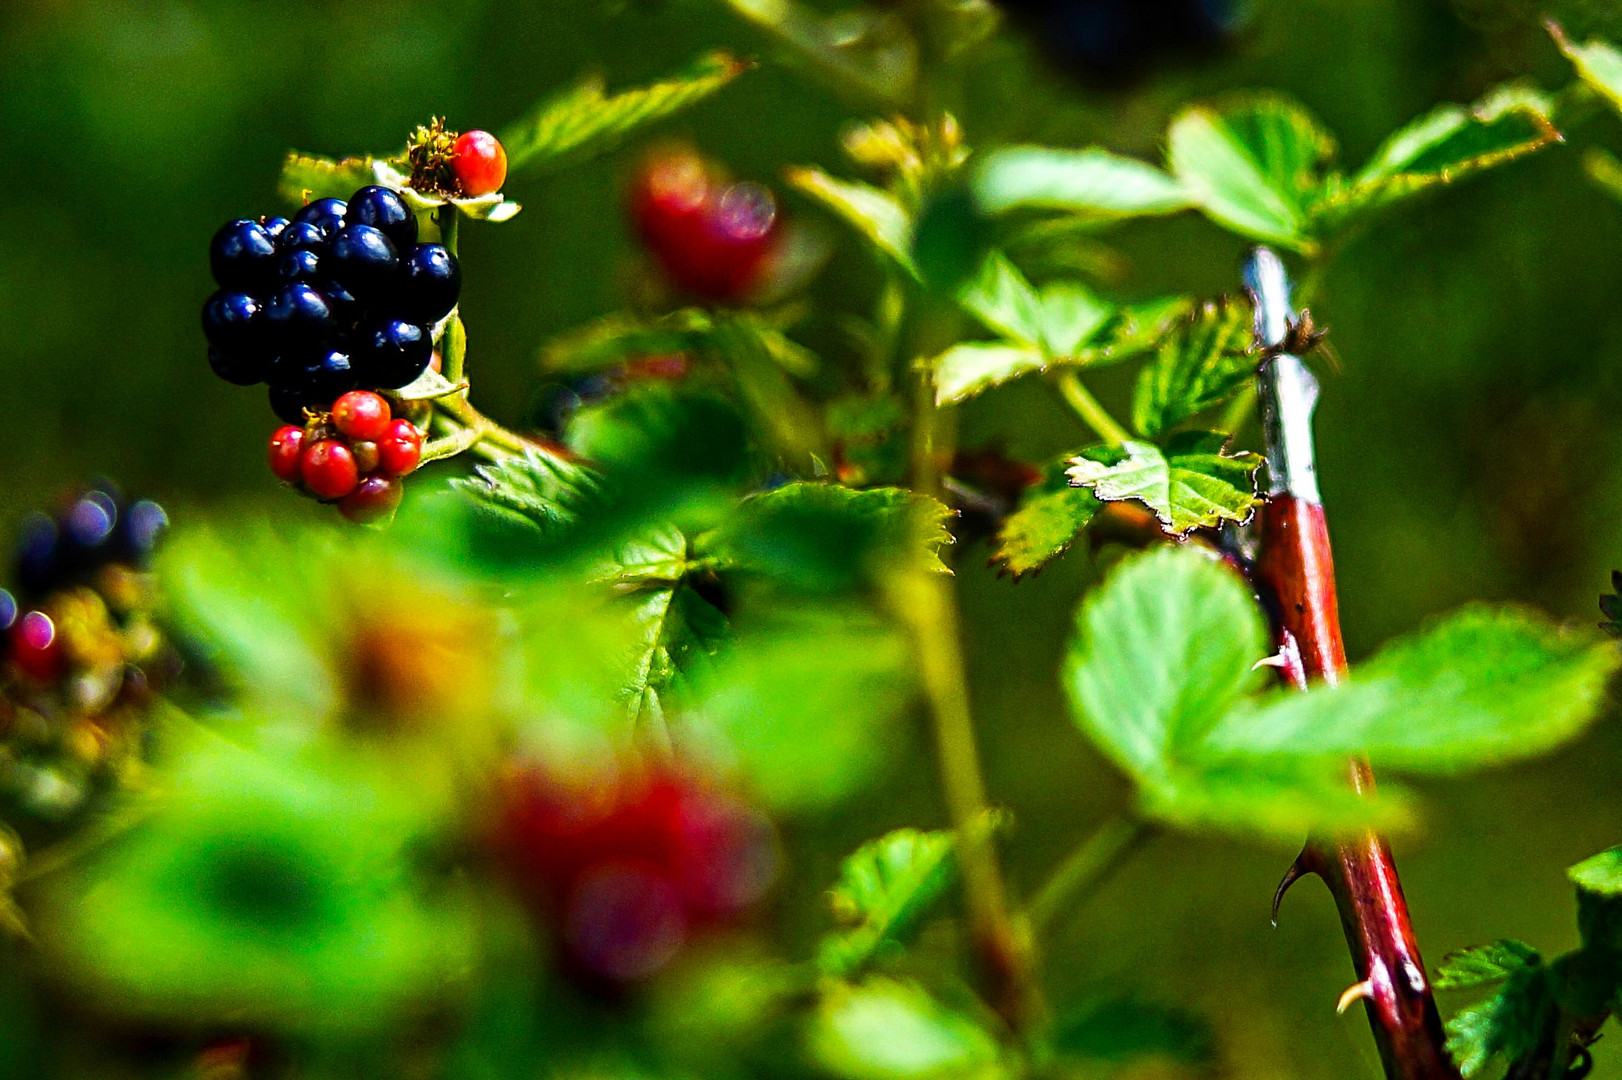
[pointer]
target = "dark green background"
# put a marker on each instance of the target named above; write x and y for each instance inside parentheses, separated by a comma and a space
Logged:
(1468, 448)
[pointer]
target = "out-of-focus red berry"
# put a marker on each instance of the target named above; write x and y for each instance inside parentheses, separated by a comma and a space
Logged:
(36, 647)
(714, 241)
(361, 414)
(479, 162)
(286, 447)
(328, 469)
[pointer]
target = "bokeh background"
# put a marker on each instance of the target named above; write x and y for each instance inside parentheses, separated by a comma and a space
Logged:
(1469, 445)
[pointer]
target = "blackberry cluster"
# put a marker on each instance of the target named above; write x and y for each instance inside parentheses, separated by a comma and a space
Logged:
(98, 529)
(338, 298)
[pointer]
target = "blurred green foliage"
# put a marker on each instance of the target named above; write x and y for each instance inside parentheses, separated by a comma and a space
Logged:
(1467, 448)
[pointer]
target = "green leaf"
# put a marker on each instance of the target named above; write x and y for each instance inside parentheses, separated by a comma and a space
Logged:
(1125, 1030)
(542, 490)
(1134, 330)
(1442, 147)
(1192, 484)
(857, 52)
(1508, 1024)
(1162, 650)
(307, 177)
(1604, 170)
(885, 890)
(1598, 64)
(827, 538)
(1599, 874)
(1599, 901)
(1093, 182)
(1050, 515)
(1058, 319)
(805, 709)
(874, 213)
(1481, 965)
(1253, 164)
(585, 119)
(965, 370)
(1481, 687)
(1201, 365)
(885, 1029)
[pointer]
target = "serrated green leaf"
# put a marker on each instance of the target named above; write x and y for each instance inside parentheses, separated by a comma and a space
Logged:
(1480, 965)
(306, 177)
(542, 490)
(1192, 484)
(1441, 147)
(968, 369)
(586, 119)
(827, 538)
(1481, 687)
(1253, 164)
(804, 710)
(1049, 517)
(1134, 329)
(874, 213)
(885, 889)
(1057, 319)
(1093, 182)
(1162, 651)
(1598, 64)
(885, 1029)
(1123, 1030)
(678, 630)
(1508, 1024)
(1200, 365)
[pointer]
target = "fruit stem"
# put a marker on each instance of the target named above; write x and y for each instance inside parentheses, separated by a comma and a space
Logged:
(1104, 851)
(1090, 410)
(449, 219)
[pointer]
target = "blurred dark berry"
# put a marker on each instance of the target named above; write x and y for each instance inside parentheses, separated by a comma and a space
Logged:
(1110, 43)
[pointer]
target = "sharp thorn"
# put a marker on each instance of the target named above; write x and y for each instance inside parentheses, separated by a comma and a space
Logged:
(1357, 991)
(1298, 870)
(1277, 660)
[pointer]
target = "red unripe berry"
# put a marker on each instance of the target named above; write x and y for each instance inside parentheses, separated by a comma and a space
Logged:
(375, 498)
(711, 241)
(399, 453)
(361, 414)
(36, 648)
(328, 469)
(286, 448)
(479, 162)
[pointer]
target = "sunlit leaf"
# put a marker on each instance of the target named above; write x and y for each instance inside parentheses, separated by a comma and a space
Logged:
(874, 213)
(885, 889)
(1193, 483)
(1090, 182)
(1442, 147)
(1133, 330)
(1481, 965)
(1598, 64)
(307, 177)
(1483, 686)
(542, 489)
(1253, 164)
(585, 118)
(1050, 515)
(1058, 318)
(968, 369)
(1199, 366)
(885, 1029)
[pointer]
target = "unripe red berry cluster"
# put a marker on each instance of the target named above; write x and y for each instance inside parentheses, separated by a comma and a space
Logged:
(713, 239)
(628, 871)
(354, 456)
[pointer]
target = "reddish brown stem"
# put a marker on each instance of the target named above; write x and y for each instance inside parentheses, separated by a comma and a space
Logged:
(1296, 574)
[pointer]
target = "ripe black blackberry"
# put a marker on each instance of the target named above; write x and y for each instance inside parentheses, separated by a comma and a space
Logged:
(341, 297)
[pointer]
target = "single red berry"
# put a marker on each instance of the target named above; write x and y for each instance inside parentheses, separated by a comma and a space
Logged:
(361, 414)
(328, 468)
(711, 241)
(286, 447)
(366, 456)
(399, 453)
(36, 647)
(668, 197)
(375, 498)
(479, 162)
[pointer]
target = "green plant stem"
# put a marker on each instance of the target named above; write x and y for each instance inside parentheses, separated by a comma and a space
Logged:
(1088, 408)
(1092, 863)
(449, 219)
(1240, 409)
